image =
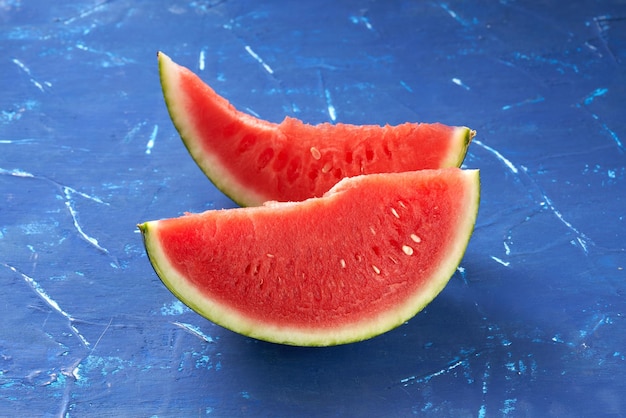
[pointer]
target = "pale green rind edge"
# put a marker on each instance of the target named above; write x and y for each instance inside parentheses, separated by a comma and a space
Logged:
(229, 319)
(462, 137)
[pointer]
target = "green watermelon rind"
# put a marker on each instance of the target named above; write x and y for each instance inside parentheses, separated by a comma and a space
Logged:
(212, 166)
(351, 333)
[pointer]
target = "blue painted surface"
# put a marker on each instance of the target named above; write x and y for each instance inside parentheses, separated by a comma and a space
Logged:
(533, 323)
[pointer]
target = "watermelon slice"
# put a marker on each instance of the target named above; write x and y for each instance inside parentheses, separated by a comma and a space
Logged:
(357, 262)
(253, 160)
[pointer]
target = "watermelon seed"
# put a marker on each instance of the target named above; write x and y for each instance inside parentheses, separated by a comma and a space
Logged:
(395, 213)
(407, 250)
(327, 167)
(253, 270)
(393, 260)
(415, 238)
(376, 269)
(315, 153)
(373, 230)
(265, 157)
(343, 263)
(246, 143)
(386, 150)
(270, 255)
(401, 203)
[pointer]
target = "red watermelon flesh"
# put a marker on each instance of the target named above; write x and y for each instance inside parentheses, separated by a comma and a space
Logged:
(355, 263)
(252, 160)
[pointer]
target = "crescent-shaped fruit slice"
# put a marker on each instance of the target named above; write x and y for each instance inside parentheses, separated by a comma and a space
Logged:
(253, 160)
(355, 263)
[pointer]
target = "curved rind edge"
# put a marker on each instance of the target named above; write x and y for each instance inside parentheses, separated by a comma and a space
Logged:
(221, 178)
(462, 137)
(233, 321)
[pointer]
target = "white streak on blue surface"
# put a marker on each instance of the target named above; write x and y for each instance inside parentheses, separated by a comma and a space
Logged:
(153, 136)
(131, 134)
(461, 271)
(252, 112)
(116, 60)
(451, 12)
(500, 261)
(86, 13)
(67, 192)
(36, 83)
(416, 379)
(500, 157)
(454, 15)
(16, 141)
(482, 412)
(406, 86)
(362, 19)
(581, 238)
(596, 93)
(332, 113)
(85, 195)
(194, 330)
(39, 290)
(102, 334)
(91, 240)
(619, 143)
(16, 173)
(259, 59)
(21, 65)
(458, 82)
(201, 60)
(80, 336)
(537, 99)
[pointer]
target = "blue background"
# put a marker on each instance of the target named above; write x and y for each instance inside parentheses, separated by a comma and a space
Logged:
(532, 324)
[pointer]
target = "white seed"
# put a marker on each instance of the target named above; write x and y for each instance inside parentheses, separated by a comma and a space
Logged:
(407, 250)
(401, 204)
(372, 230)
(393, 260)
(415, 238)
(376, 269)
(343, 263)
(270, 255)
(327, 167)
(316, 153)
(395, 213)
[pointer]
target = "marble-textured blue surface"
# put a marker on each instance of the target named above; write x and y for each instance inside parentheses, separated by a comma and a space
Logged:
(532, 324)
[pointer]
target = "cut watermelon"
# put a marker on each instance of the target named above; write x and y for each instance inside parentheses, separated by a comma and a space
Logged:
(253, 161)
(355, 263)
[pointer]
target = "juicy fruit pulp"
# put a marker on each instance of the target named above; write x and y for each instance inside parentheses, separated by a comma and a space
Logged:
(254, 161)
(357, 262)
